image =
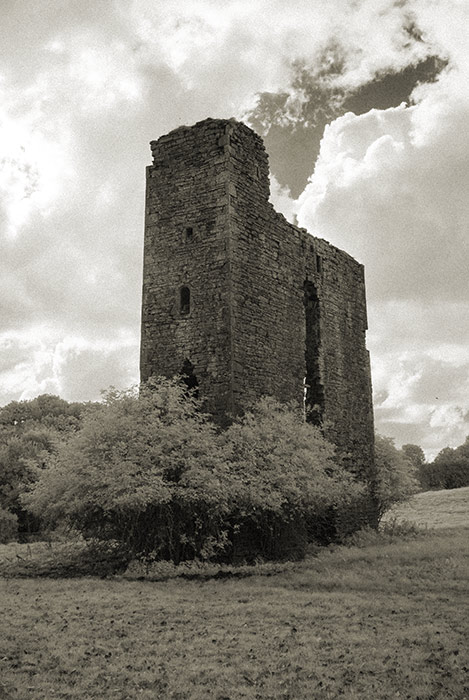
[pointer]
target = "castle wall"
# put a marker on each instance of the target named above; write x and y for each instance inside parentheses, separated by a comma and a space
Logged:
(271, 305)
(274, 263)
(186, 224)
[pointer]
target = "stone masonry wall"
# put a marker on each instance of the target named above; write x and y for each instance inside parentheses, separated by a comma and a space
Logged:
(185, 244)
(254, 278)
(272, 261)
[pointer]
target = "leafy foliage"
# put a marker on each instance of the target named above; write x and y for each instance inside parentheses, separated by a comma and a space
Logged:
(8, 526)
(289, 488)
(153, 473)
(47, 410)
(416, 457)
(29, 432)
(414, 454)
(144, 470)
(396, 476)
(449, 469)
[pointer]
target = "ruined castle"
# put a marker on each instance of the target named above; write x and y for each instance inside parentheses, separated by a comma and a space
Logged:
(243, 303)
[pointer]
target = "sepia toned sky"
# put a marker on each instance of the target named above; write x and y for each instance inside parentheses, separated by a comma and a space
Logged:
(364, 108)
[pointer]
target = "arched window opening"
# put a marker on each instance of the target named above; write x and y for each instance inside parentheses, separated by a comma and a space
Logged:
(313, 389)
(184, 301)
(189, 378)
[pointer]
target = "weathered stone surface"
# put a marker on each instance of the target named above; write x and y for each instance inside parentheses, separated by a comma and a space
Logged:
(270, 305)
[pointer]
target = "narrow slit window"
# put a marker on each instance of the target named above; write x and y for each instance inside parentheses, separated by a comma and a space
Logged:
(184, 301)
(188, 233)
(318, 264)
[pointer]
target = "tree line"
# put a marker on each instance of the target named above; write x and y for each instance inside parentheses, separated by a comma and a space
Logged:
(449, 469)
(148, 470)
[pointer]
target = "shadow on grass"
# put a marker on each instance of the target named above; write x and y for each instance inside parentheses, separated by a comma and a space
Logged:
(72, 559)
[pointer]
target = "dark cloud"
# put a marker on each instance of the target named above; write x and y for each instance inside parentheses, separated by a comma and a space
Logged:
(391, 89)
(293, 122)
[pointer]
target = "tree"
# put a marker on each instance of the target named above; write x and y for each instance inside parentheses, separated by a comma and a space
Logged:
(46, 409)
(29, 432)
(414, 454)
(463, 450)
(8, 526)
(396, 479)
(416, 457)
(450, 468)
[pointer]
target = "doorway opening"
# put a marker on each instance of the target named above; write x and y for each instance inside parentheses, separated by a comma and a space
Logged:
(313, 399)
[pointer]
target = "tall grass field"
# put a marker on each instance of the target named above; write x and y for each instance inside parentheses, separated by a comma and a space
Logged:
(385, 617)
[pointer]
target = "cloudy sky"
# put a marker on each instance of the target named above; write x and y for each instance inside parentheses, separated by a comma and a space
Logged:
(364, 108)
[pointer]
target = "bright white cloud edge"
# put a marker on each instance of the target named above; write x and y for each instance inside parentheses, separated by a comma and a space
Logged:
(77, 138)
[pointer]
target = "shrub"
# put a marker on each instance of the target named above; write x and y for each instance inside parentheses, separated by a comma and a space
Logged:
(151, 472)
(392, 531)
(144, 470)
(396, 480)
(8, 526)
(288, 489)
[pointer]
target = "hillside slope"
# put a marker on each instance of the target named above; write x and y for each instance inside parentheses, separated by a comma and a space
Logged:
(435, 509)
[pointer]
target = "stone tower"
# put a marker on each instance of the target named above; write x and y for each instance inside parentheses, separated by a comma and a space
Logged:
(243, 303)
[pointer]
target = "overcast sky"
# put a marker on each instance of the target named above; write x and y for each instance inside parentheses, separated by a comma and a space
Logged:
(364, 107)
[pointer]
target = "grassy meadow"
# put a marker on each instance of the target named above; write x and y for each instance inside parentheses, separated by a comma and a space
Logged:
(435, 509)
(383, 618)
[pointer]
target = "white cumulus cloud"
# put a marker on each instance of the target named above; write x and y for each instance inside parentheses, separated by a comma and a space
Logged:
(390, 187)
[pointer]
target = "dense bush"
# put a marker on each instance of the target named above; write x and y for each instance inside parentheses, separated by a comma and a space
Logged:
(29, 431)
(8, 526)
(151, 472)
(396, 476)
(288, 488)
(143, 470)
